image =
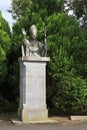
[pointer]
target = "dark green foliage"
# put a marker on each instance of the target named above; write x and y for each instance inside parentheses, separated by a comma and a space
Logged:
(66, 91)
(67, 48)
(13, 68)
(70, 96)
(19, 7)
(79, 8)
(7, 106)
(6, 92)
(4, 48)
(45, 8)
(66, 84)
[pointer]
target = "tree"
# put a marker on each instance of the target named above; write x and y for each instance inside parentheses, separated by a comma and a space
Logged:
(79, 8)
(19, 7)
(66, 84)
(5, 37)
(4, 47)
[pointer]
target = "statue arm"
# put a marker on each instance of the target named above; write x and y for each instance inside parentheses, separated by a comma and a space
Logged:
(24, 36)
(24, 32)
(25, 45)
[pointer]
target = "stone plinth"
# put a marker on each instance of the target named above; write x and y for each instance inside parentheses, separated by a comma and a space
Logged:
(33, 89)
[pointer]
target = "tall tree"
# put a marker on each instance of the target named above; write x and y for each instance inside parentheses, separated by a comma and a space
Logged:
(79, 8)
(63, 88)
(66, 86)
(19, 7)
(5, 37)
(4, 46)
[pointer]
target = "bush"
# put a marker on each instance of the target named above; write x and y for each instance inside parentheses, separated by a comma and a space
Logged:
(70, 96)
(6, 106)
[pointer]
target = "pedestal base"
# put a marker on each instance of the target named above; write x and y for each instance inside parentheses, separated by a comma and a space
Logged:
(32, 105)
(27, 115)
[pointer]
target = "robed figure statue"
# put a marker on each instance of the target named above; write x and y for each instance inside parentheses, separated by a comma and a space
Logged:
(32, 47)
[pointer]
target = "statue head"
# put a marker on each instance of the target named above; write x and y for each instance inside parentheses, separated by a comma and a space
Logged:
(33, 31)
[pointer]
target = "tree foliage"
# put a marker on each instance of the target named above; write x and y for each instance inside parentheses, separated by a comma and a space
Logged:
(79, 8)
(4, 47)
(66, 77)
(45, 8)
(19, 7)
(67, 48)
(64, 49)
(5, 37)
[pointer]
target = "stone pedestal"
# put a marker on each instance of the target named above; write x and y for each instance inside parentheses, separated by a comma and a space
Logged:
(32, 105)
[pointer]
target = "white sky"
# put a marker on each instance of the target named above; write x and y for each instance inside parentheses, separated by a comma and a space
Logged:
(4, 6)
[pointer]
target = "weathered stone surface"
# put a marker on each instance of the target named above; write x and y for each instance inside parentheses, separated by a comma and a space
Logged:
(78, 118)
(27, 115)
(33, 89)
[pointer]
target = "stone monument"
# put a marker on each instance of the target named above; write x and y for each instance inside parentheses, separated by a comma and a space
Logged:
(32, 105)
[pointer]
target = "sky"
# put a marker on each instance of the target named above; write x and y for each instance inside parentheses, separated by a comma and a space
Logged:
(4, 6)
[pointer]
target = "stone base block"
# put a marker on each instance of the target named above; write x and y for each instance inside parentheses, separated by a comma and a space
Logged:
(27, 115)
(78, 118)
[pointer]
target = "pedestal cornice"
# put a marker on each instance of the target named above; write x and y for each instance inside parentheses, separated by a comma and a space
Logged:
(33, 59)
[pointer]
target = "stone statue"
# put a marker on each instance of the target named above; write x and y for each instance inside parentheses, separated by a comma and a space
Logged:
(32, 47)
